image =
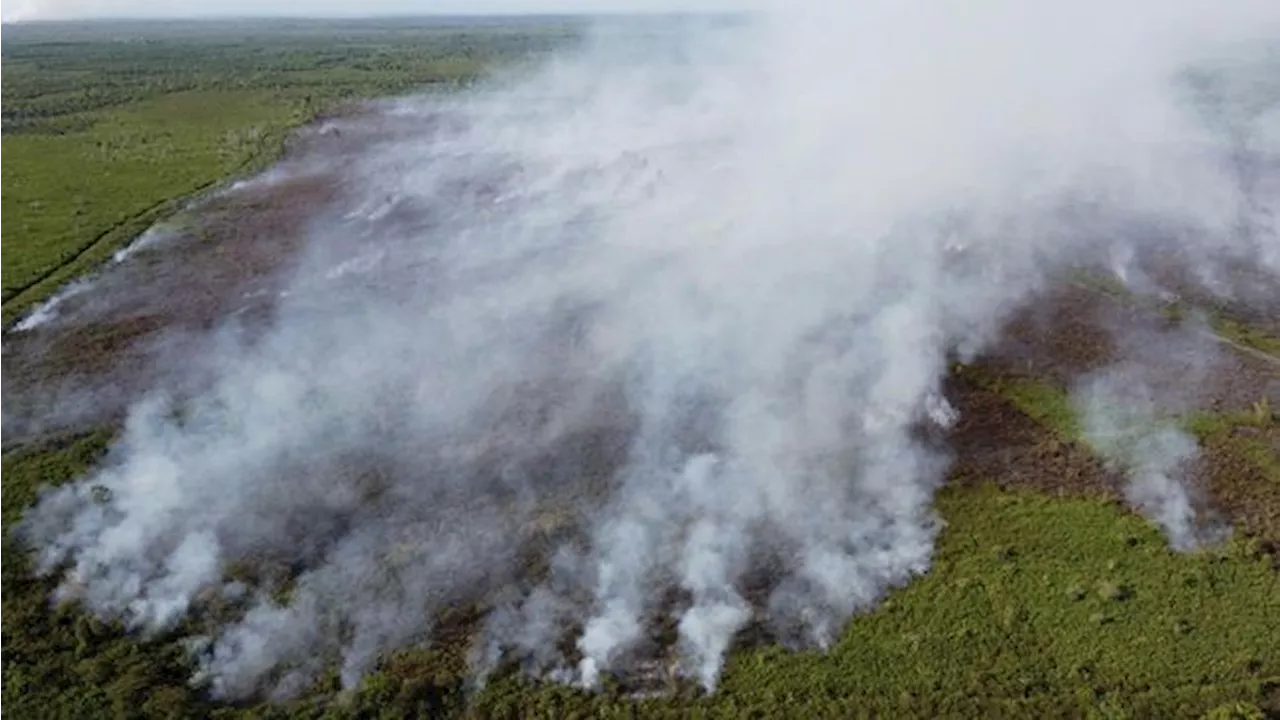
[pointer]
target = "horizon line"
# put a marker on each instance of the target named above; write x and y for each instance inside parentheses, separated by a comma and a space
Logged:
(377, 16)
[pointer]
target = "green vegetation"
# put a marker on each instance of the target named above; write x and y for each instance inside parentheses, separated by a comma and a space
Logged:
(1050, 406)
(105, 135)
(1251, 444)
(1046, 404)
(55, 71)
(1243, 477)
(70, 200)
(1034, 607)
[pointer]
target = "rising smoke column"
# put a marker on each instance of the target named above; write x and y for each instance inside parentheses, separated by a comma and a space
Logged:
(693, 292)
(1120, 422)
(1130, 414)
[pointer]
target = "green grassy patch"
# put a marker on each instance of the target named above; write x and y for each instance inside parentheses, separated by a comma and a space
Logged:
(72, 199)
(1051, 406)
(109, 127)
(1041, 401)
(1238, 448)
(1033, 607)
(1243, 433)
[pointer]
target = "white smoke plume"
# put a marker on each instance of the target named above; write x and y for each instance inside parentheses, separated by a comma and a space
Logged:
(1129, 414)
(671, 312)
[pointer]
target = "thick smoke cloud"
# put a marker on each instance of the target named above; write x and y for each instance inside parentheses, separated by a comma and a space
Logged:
(603, 345)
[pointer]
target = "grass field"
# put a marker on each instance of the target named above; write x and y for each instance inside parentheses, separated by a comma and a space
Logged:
(107, 134)
(71, 199)
(1036, 605)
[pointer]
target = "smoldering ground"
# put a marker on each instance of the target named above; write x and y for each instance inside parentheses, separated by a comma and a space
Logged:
(670, 315)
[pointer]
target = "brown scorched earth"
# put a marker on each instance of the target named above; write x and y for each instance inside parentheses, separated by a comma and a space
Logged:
(228, 258)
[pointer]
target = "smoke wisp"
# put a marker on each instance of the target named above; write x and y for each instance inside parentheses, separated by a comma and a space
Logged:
(667, 316)
(1130, 413)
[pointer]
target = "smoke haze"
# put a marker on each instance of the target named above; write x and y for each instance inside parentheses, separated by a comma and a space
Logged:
(671, 314)
(1129, 414)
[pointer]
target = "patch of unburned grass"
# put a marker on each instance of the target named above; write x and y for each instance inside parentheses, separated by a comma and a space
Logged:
(1051, 406)
(1245, 433)
(107, 133)
(1034, 607)
(1041, 401)
(1243, 467)
(60, 662)
(50, 462)
(70, 200)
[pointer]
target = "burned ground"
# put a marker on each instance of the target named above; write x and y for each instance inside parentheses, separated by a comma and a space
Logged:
(228, 257)
(234, 251)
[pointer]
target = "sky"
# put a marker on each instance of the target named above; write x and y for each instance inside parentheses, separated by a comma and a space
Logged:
(24, 10)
